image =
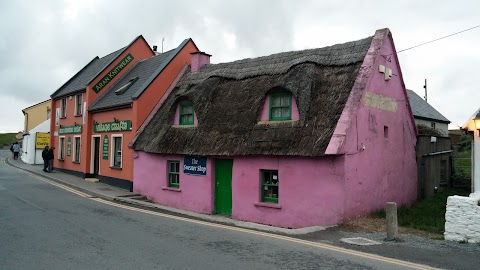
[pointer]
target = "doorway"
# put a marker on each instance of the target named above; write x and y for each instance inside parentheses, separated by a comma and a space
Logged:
(96, 155)
(223, 186)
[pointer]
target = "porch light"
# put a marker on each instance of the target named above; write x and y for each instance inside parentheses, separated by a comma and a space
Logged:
(476, 120)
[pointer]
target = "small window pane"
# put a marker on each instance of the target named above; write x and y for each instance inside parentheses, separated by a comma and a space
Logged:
(174, 174)
(186, 113)
(280, 106)
(276, 101)
(77, 149)
(117, 152)
(270, 183)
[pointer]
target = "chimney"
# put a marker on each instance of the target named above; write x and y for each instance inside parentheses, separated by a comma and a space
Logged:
(199, 59)
(155, 48)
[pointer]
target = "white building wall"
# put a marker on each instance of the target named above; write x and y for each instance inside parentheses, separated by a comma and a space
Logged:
(462, 219)
(30, 155)
(440, 126)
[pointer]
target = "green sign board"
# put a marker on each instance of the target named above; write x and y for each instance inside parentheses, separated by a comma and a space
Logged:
(112, 73)
(113, 126)
(70, 130)
(69, 146)
(105, 147)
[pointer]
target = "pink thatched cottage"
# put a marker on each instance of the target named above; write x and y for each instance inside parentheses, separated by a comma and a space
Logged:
(293, 139)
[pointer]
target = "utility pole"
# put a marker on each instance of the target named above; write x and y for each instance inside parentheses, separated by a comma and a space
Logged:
(425, 86)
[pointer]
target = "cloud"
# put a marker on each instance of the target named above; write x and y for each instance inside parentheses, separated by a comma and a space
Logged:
(44, 43)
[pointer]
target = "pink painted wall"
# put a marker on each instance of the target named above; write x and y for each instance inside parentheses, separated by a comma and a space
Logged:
(265, 112)
(386, 169)
(150, 179)
(311, 191)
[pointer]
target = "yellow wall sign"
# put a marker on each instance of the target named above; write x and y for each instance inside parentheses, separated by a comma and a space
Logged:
(42, 140)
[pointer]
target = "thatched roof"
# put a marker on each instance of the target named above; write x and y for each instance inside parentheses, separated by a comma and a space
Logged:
(228, 99)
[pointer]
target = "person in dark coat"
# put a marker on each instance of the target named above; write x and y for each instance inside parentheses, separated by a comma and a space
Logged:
(16, 150)
(45, 159)
(50, 157)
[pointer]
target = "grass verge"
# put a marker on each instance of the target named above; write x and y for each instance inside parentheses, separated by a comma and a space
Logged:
(425, 218)
(426, 215)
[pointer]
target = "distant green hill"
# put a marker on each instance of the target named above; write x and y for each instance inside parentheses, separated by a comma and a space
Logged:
(7, 139)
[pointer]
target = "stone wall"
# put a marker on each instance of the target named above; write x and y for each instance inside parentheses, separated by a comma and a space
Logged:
(462, 219)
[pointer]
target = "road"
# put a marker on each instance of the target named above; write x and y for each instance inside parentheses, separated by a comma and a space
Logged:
(43, 226)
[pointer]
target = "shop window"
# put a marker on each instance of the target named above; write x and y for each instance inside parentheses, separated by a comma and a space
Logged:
(280, 107)
(186, 113)
(76, 149)
(174, 173)
(269, 186)
(63, 108)
(116, 160)
(61, 148)
(78, 105)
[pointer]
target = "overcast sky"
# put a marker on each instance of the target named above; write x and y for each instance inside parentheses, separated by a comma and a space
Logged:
(44, 43)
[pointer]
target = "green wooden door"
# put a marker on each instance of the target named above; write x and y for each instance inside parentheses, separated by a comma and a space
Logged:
(223, 186)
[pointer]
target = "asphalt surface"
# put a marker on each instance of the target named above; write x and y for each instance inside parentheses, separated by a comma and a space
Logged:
(43, 226)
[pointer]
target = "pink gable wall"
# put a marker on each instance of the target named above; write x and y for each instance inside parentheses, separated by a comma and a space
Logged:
(379, 169)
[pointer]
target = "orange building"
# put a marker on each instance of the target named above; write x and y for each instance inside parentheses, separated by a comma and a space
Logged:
(99, 110)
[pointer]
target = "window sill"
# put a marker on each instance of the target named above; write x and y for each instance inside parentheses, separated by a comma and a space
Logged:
(60, 159)
(172, 189)
(76, 162)
(78, 115)
(184, 126)
(268, 205)
(115, 168)
(62, 117)
(270, 122)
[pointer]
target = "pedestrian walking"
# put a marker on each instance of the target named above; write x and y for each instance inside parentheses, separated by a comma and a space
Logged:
(45, 158)
(11, 148)
(50, 157)
(16, 150)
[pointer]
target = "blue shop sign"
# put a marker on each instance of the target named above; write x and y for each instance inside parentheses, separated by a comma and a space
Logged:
(195, 165)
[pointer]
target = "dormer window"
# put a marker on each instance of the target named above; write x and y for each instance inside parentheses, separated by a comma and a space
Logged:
(280, 107)
(186, 113)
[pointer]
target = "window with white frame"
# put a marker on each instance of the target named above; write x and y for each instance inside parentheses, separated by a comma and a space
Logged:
(78, 105)
(63, 108)
(116, 160)
(76, 149)
(61, 148)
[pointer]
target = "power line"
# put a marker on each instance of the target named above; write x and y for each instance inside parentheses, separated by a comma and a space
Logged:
(437, 39)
